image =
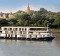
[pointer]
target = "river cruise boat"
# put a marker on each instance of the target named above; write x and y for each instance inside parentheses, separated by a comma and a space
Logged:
(26, 33)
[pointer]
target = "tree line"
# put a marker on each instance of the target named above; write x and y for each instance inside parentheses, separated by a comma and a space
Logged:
(38, 18)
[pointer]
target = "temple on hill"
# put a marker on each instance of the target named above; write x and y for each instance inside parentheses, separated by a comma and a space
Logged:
(28, 9)
(11, 15)
(6, 15)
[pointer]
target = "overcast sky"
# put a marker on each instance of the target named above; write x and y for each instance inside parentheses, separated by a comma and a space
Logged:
(15, 5)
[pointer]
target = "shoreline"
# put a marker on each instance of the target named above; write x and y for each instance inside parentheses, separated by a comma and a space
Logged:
(56, 32)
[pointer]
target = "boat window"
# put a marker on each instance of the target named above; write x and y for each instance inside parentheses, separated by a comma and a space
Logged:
(0, 31)
(15, 29)
(20, 32)
(35, 28)
(19, 28)
(25, 29)
(38, 29)
(10, 28)
(5, 28)
(32, 28)
(8, 35)
(11, 31)
(31, 32)
(44, 29)
(22, 28)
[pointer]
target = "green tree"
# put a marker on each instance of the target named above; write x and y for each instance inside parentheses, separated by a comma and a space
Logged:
(12, 22)
(3, 22)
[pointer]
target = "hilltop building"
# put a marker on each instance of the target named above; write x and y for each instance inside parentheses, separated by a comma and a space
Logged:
(28, 9)
(6, 15)
(11, 15)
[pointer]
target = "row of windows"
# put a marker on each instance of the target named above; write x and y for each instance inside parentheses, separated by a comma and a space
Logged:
(38, 28)
(15, 29)
(21, 32)
(24, 29)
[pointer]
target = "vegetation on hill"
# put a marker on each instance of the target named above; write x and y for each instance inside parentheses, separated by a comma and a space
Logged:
(41, 17)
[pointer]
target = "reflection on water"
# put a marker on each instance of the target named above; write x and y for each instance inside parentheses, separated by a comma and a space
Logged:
(29, 48)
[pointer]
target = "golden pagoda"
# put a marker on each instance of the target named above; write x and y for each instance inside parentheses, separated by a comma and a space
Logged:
(28, 9)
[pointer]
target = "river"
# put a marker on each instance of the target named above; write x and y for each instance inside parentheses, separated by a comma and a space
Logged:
(30, 48)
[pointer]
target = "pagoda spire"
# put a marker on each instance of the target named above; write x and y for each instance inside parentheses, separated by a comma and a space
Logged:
(28, 9)
(28, 4)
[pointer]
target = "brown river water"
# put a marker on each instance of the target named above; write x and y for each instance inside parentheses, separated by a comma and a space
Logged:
(30, 48)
